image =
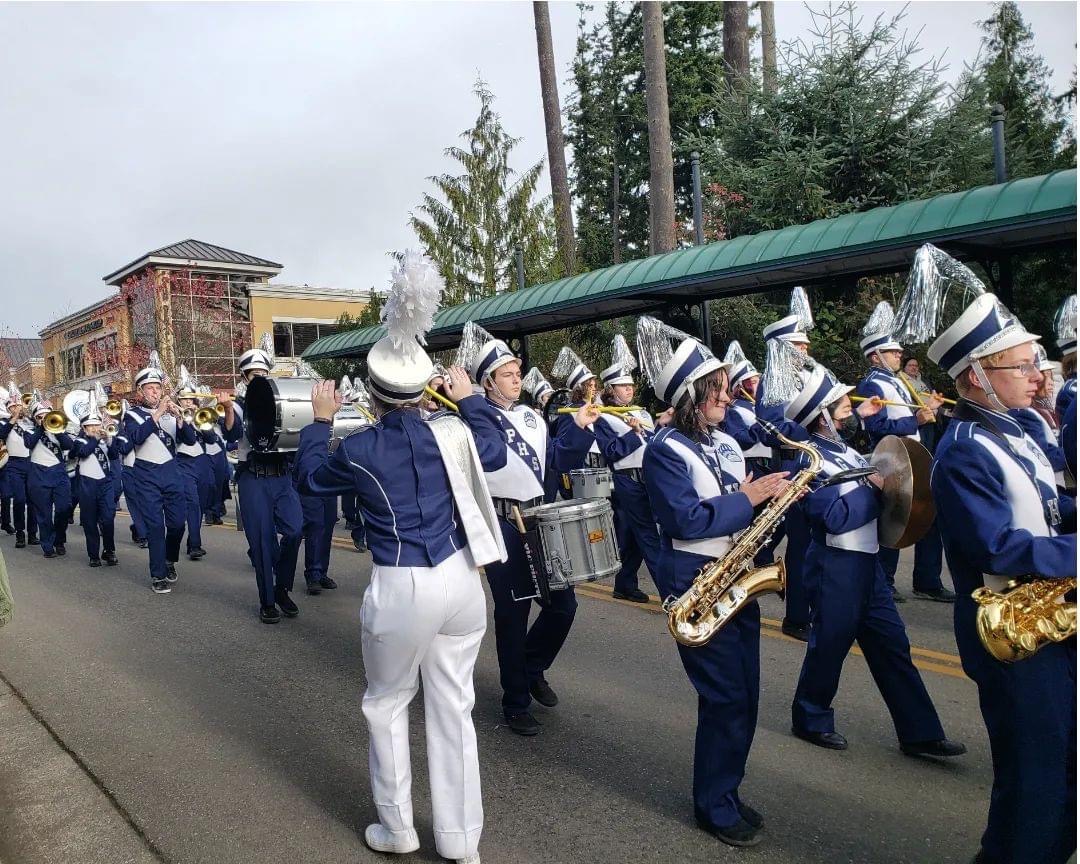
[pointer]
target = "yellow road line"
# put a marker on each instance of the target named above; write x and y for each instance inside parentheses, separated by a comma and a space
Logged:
(948, 664)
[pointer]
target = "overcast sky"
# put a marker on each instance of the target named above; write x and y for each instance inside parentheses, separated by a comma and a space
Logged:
(302, 133)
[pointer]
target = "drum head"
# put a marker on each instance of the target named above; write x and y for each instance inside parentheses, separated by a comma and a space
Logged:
(570, 510)
(907, 508)
(260, 414)
(559, 399)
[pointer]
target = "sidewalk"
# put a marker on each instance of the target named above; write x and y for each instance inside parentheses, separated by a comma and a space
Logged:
(51, 811)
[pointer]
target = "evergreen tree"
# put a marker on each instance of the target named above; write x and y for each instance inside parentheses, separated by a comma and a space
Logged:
(485, 212)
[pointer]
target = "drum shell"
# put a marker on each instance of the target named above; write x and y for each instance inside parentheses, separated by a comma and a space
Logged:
(590, 482)
(577, 539)
(275, 410)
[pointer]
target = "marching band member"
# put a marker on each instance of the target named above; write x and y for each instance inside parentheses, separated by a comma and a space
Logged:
(538, 387)
(154, 429)
(621, 439)
(97, 497)
(213, 506)
(15, 430)
(525, 653)
(695, 477)
(354, 393)
(1065, 331)
(269, 503)
(195, 470)
(130, 486)
(1005, 521)
(791, 330)
(883, 382)
(1041, 426)
(582, 385)
(850, 600)
(430, 526)
(49, 484)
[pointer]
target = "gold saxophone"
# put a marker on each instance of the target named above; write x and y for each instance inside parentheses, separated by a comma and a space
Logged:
(725, 586)
(1017, 622)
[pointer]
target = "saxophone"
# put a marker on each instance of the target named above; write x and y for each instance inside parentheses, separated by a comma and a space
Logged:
(724, 587)
(1017, 622)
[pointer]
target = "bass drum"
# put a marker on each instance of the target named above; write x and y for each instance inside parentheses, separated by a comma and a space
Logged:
(275, 410)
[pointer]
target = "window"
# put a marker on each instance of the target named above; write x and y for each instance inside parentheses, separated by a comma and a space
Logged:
(293, 338)
(73, 363)
(103, 355)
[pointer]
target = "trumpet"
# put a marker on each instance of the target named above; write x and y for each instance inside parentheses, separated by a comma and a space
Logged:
(114, 408)
(111, 429)
(55, 422)
(27, 398)
(203, 419)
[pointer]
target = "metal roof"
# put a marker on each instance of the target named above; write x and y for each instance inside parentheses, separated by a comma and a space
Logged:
(14, 351)
(197, 250)
(983, 221)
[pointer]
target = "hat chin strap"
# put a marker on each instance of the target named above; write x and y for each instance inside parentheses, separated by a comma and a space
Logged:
(827, 417)
(987, 387)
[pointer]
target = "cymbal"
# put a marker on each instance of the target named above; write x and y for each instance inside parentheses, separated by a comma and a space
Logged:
(907, 508)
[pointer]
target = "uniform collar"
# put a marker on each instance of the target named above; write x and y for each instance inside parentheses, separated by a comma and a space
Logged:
(400, 417)
(994, 419)
(829, 444)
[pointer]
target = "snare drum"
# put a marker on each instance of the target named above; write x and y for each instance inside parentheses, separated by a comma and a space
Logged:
(590, 482)
(577, 541)
(275, 410)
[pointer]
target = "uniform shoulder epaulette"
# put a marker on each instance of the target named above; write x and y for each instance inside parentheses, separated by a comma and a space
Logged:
(441, 414)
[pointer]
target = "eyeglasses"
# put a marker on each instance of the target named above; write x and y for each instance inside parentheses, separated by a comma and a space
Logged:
(1023, 370)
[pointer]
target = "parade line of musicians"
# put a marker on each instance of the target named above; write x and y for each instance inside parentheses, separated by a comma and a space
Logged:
(436, 495)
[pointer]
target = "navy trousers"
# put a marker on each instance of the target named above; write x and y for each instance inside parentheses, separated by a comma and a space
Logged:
(850, 602)
(525, 653)
(189, 475)
(320, 515)
(73, 481)
(18, 486)
(270, 508)
(797, 611)
(161, 501)
(97, 514)
(214, 506)
(635, 532)
(116, 467)
(131, 500)
(926, 575)
(1029, 708)
(726, 673)
(50, 493)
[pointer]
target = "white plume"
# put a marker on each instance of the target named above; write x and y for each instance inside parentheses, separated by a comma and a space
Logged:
(415, 291)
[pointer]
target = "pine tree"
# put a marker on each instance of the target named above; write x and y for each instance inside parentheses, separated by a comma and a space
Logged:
(485, 212)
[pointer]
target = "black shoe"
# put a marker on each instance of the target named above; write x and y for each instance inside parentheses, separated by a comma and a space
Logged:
(208, 520)
(523, 724)
(95, 562)
(349, 525)
(71, 520)
(288, 608)
(33, 540)
(742, 833)
(170, 573)
(327, 583)
(143, 542)
(897, 597)
(795, 631)
(634, 596)
(134, 536)
(751, 816)
(196, 553)
(943, 749)
(541, 691)
(314, 588)
(938, 595)
(110, 558)
(359, 547)
(217, 520)
(60, 550)
(20, 540)
(7, 529)
(269, 614)
(160, 586)
(828, 740)
(50, 554)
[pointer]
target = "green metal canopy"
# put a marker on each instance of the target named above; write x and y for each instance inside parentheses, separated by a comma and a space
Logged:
(981, 223)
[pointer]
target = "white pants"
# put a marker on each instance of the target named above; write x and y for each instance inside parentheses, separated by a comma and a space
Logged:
(425, 621)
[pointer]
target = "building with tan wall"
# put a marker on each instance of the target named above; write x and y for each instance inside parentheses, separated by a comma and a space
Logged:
(196, 304)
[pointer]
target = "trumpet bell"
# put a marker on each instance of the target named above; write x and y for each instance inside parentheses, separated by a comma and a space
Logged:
(27, 398)
(114, 407)
(54, 422)
(205, 419)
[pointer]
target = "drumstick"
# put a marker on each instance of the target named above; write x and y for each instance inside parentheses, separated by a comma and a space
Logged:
(877, 400)
(603, 409)
(517, 518)
(438, 397)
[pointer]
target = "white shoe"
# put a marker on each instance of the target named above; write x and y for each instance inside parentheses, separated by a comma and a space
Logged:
(382, 839)
(472, 859)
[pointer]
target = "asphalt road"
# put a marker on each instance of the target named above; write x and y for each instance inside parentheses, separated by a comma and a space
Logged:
(199, 734)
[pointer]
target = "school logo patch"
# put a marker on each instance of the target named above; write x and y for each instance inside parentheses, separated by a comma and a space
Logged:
(728, 452)
(530, 420)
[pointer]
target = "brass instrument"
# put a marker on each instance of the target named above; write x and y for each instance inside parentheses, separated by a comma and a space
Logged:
(726, 585)
(114, 408)
(1017, 622)
(55, 422)
(27, 398)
